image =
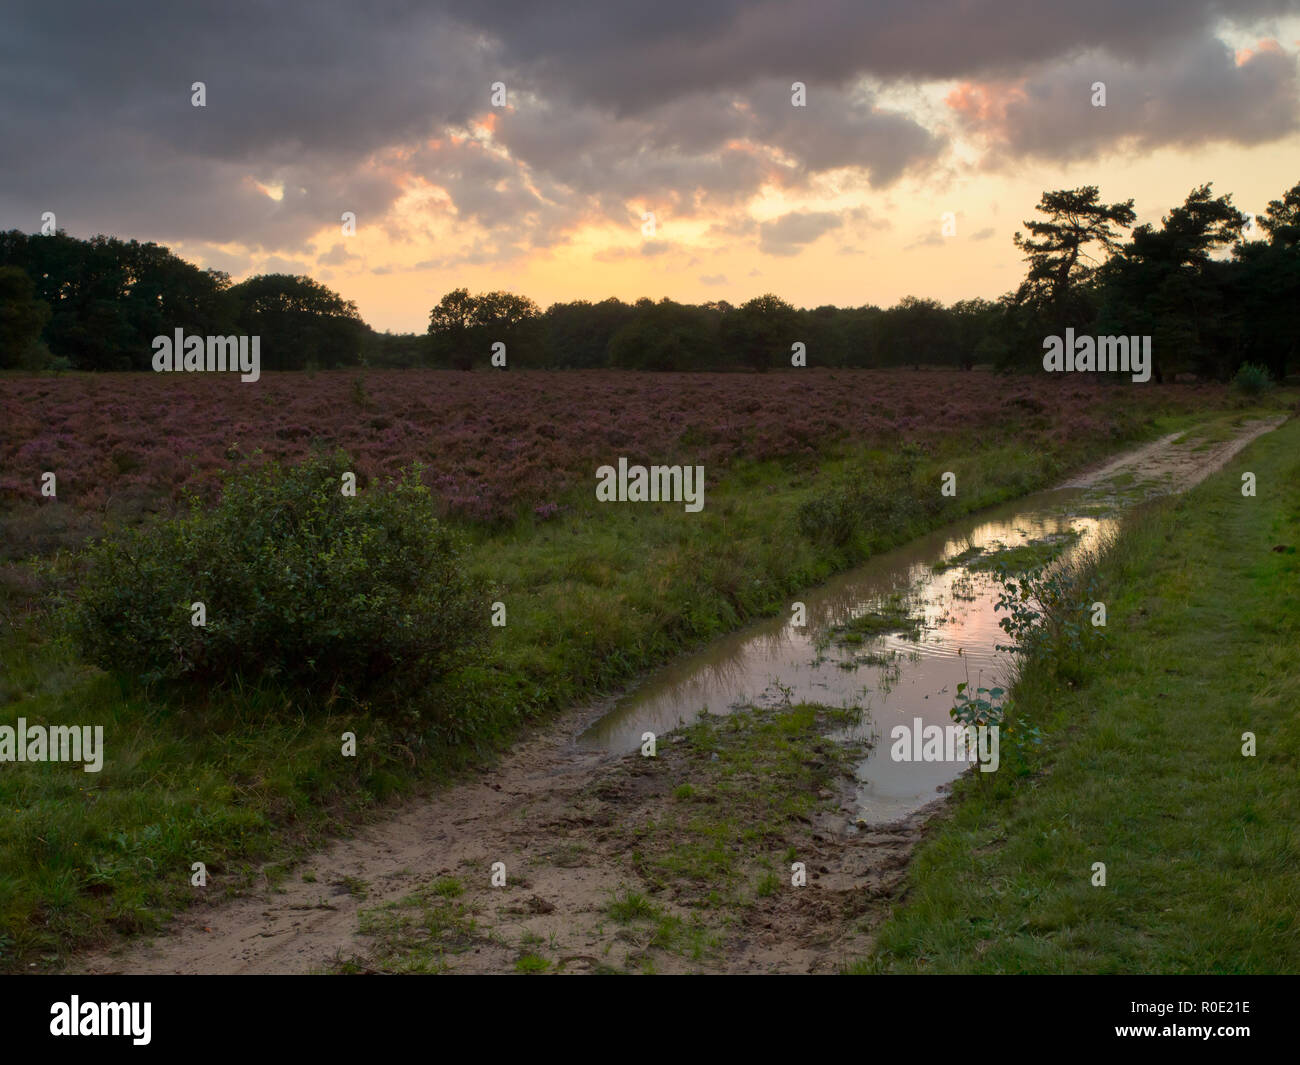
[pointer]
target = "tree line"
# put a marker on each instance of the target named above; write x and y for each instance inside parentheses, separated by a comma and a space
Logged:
(1211, 286)
(97, 305)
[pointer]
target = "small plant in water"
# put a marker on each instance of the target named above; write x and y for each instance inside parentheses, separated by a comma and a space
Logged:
(984, 707)
(1046, 608)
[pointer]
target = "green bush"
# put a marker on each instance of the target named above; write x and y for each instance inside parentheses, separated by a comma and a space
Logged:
(36, 357)
(871, 504)
(342, 595)
(1252, 379)
(1048, 611)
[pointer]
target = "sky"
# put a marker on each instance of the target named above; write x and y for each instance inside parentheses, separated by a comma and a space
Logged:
(588, 149)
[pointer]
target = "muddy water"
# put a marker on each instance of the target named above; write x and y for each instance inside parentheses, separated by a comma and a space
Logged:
(893, 677)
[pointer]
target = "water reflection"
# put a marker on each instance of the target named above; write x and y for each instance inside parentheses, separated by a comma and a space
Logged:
(894, 677)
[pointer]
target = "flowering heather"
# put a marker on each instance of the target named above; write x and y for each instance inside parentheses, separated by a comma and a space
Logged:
(499, 444)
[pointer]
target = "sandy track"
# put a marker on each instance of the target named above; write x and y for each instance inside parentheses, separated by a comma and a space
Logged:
(543, 802)
(311, 917)
(1168, 466)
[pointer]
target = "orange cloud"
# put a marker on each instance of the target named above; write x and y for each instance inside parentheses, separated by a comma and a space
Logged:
(1245, 55)
(985, 105)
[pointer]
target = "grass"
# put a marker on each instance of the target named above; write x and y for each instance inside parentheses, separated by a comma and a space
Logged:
(754, 774)
(1026, 556)
(234, 778)
(355, 886)
(630, 906)
(430, 918)
(892, 617)
(960, 559)
(1143, 768)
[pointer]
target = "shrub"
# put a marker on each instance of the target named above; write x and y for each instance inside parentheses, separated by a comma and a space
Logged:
(871, 503)
(1252, 379)
(347, 595)
(1048, 610)
(37, 357)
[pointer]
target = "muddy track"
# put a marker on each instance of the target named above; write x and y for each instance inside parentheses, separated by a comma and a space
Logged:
(1168, 466)
(556, 815)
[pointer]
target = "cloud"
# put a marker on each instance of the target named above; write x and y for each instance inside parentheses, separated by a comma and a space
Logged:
(105, 91)
(636, 55)
(838, 130)
(713, 279)
(983, 234)
(276, 264)
(788, 234)
(680, 108)
(337, 255)
(1200, 93)
(929, 240)
(614, 255)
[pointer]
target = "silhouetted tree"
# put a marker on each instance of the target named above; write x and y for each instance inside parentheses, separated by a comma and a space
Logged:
(1058, 251)
(22, 317)
(1164, 284)
(301, 322)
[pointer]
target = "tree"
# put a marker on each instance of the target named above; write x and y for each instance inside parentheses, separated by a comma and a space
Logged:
(301, 322)
(759, 333)
(22, 317)
(109, 298)
(976, 324)
(463, 328)
(665, 336)
(576, 335)
(917, 331)
(1164, 284)
(1266, 289)
(449, 325)
(503, 317)
(1058, 250)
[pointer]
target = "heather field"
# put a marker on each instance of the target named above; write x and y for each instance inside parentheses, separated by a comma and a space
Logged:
(498, 446)
(807, 473)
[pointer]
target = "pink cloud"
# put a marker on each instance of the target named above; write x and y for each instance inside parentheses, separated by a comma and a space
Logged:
(1245, 55)
(985, 106)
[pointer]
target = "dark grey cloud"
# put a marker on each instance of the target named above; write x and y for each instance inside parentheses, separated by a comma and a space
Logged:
(638, 53)
(1196, 94)
(96, 101)
(682, 107)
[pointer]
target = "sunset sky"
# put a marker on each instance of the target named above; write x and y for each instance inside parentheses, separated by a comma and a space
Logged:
(682, 109)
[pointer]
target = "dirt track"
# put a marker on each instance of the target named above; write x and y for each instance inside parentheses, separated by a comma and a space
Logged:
(1171, 467)
(557, 816)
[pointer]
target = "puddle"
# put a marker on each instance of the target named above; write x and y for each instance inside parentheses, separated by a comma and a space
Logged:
(896, 676)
